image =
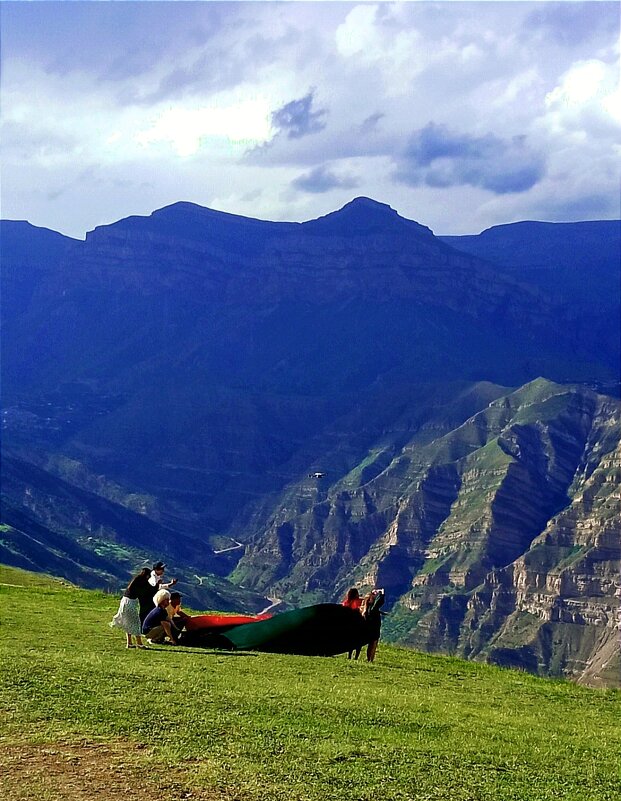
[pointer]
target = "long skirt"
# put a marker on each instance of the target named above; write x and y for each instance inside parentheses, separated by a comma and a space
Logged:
(127, 617)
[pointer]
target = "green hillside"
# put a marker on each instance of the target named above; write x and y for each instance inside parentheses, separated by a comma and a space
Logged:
(80, 714)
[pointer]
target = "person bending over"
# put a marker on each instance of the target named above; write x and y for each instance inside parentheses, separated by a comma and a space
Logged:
(127, 618)
(157, 626)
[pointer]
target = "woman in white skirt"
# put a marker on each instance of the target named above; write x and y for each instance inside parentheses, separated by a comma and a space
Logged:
(128, 617)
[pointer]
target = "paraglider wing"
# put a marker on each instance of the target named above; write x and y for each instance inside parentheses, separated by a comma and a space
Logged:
(221, 622)
(320, 630)
(205, 630)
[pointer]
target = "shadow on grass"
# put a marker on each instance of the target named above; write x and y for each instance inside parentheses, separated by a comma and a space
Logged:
(165, 649)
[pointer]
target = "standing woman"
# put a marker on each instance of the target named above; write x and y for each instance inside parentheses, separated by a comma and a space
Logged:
(128, 617)
(373, 616)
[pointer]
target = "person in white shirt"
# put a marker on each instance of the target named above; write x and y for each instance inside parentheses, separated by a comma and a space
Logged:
(153, 584)
(156, 579)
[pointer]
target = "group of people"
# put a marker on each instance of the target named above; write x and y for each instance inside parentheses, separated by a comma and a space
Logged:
(370, 609)
(149, 609)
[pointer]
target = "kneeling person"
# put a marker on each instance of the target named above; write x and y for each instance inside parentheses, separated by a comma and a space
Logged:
(157, 626)
(176, 615)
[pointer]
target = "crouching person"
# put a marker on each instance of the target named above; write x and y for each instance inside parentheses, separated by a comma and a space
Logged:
(176, 615)
(157, 625)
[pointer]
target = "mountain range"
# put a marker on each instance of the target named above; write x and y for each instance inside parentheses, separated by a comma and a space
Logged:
(284, 409)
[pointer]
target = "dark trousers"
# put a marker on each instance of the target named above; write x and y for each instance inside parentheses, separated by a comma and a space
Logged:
(146, 606)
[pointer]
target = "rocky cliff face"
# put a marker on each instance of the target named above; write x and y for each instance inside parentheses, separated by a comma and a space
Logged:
(556, 608)
(500, 539)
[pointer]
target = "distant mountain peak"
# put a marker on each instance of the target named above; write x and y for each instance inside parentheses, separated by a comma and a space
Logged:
(363, 213)
(364, 209)
(363, 202)
(186, 209)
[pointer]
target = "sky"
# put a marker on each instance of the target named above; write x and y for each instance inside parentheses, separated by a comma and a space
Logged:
(460, 115)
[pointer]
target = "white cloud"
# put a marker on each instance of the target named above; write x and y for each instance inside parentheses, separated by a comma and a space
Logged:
(357, 34)
(242, 124)
(587, 96)
(523, 88)
(369, 37)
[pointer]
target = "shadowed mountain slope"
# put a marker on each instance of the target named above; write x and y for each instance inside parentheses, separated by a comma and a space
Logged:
(577, 263)
(189, 354)
(54, 526)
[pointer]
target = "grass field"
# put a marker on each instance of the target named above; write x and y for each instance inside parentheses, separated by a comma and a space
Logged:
(84, 718)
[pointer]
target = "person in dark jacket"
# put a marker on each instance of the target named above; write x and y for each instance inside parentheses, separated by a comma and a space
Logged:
(144, 591)
(157, 626)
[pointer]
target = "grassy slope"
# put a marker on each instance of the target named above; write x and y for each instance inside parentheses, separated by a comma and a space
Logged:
(261, 726)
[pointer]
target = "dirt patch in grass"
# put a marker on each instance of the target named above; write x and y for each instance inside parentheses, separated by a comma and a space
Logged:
(87, 770)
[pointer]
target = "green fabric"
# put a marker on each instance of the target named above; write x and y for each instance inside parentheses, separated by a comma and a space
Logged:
(322, 630)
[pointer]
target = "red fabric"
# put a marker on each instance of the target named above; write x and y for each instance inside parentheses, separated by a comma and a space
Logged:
(355, 603)
(201, 622)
